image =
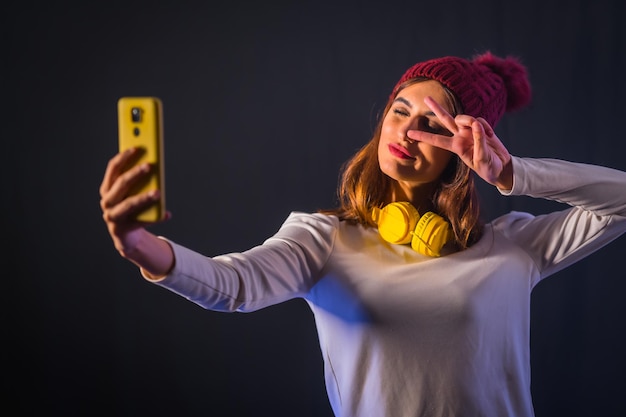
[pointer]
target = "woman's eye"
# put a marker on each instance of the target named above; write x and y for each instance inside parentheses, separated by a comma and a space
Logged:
(401, 112)
(440, 130)
(435, 128)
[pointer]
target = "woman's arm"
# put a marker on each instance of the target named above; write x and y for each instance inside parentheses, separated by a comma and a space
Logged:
(596, 215)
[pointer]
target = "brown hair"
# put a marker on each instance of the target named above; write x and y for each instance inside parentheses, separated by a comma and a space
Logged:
(363, 185)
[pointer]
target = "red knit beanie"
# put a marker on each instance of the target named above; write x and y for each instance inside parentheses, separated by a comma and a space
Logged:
(487, 85)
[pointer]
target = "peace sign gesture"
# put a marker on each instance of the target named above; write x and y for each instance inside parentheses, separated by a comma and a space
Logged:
(474, 141)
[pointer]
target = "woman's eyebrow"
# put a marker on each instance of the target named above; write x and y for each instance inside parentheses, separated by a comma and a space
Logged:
(409, 105)
(404, 101)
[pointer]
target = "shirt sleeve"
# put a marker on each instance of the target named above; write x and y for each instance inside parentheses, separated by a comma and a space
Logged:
(285, 266)
(596, 215)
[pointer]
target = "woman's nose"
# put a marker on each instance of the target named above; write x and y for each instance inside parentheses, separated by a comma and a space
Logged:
(410, 125)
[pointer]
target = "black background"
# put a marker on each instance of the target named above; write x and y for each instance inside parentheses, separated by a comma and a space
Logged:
(263, 103)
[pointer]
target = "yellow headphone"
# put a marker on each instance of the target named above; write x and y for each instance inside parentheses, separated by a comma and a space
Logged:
(401, 223)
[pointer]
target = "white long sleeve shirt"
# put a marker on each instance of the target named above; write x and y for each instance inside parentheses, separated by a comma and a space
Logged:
(403, 334)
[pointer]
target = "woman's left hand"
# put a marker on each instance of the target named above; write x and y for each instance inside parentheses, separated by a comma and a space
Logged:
(474, 141)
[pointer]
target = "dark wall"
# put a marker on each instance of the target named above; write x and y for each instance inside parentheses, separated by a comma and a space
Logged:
(263, 102)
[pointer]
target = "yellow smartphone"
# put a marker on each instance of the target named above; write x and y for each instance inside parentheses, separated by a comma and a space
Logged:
(140, 124)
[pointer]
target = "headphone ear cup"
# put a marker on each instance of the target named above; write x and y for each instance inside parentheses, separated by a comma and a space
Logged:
(396, 221)
(431, 234)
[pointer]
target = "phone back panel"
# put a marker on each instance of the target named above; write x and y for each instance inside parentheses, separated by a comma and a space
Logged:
(140, 123)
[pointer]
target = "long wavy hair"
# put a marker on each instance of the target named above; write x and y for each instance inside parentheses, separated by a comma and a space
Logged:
(363, 185)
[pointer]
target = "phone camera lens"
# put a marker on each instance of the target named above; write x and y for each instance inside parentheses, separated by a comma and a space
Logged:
(136, 131)
(135, 114)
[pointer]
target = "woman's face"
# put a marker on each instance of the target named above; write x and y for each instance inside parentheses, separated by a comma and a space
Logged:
(409, 162)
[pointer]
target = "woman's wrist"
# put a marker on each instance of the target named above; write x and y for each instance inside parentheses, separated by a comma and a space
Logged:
(153, 255)
(505, 181)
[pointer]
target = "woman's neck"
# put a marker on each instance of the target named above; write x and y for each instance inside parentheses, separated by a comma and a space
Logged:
(420, 196)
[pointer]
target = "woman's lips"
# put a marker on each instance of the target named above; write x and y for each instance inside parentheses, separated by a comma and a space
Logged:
(399, 152)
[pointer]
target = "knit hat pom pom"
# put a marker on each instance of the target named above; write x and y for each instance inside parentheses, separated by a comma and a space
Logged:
(514, 75)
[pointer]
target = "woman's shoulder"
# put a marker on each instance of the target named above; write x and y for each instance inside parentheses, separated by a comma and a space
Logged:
(299, 222)
(311, 217)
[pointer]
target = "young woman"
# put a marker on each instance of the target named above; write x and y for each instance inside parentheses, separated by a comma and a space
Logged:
(421, 309)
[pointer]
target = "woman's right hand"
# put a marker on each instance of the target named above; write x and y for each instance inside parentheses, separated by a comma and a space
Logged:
(130, 237)
(474, 141)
